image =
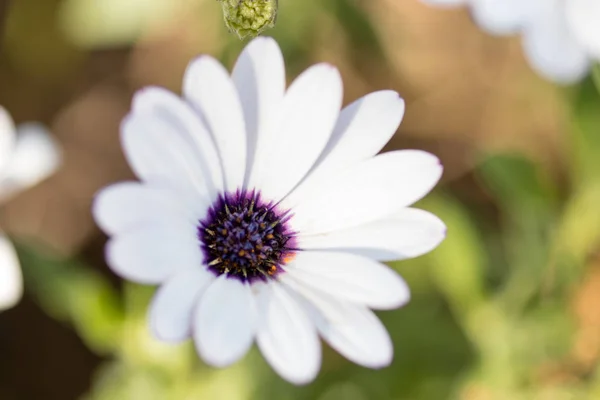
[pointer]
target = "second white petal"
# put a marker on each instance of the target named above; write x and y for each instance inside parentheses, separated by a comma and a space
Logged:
(154, 254)
(286, 336)
(11, 280)
(350, 277)
(225, 321)
(364, 193)
(352, 329)
(208, 86)
(407, 233)
(308, 114)
(172, 308)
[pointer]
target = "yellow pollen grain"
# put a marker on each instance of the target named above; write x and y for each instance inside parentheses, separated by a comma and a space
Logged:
(289, 257)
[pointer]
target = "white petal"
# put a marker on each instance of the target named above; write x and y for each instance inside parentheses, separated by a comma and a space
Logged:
(349, 277)
(130, 205)
(172, 309)
(353, 330)
(361, 131)
(552, 49)
(35, 156)
(363, 128)
(11, 281)
(177, 113)
(152, 255)
(259, 76)
(209, 88)
(157, 152)
(364, 193)
(405, 234)
(445, 3)
(502, 17)
(7, 137)
(225, 322)
(310, 108)
(286, 337)
(583, 17)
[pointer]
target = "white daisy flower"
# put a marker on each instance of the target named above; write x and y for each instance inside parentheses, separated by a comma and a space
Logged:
(27, 156)
(561, 38)
(265, 213)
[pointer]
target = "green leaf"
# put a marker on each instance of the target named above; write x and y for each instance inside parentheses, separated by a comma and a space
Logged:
(458, 264)
(358, 27)
(517, 183)
(586, 135)
(596, 76)
(578, 230)
(529, 203)
(70, 291)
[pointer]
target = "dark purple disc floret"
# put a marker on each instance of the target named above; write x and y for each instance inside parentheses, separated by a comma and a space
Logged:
(246, 238)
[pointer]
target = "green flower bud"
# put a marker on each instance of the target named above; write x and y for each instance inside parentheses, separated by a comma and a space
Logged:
(249, 17)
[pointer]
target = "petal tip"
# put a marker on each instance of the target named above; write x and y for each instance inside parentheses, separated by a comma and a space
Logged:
(112, 252)
(300, 379)
(138, 102)
(214, 360)
(96, 208)
(158, 332)
(330, 69)
(202, 60)
(383, 363)
(264, 40)
(403, 296)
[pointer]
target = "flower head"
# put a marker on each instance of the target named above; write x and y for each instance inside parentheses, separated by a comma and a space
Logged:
(249, 17)
(27, 156)
(265, 213)
(560, 37)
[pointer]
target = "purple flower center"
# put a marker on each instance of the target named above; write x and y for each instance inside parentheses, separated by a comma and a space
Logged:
(246, 238)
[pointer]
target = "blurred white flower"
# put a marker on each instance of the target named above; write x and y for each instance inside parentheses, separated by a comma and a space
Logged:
(264, 214)
(583, 17)
(560, 38)
(27, 155)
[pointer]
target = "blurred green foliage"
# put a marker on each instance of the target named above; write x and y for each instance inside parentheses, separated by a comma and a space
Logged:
(596, 75)
(491, 316)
